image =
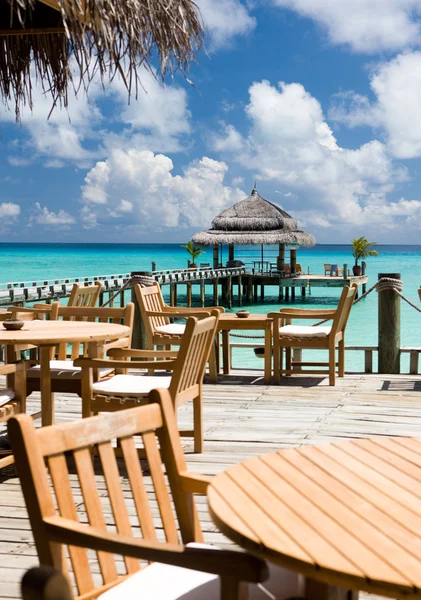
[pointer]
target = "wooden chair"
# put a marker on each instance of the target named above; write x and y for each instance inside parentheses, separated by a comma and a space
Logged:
(12, 401)
(287, 336)
(155, 562)
(156, 317)
(85, 295)
(298, 269)
(79, 296)
(65, 376)
(336, 271)
(123, 391)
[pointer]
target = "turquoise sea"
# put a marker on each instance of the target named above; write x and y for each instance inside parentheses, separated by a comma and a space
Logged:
(24, 262)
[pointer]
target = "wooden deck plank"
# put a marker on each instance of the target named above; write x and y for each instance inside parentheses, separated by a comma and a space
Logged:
(241, 419)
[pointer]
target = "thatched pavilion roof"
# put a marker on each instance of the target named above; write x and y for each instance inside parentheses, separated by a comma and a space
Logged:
(108, 37)
(254, 220)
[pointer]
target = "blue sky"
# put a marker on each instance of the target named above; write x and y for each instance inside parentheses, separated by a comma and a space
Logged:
(318, 101)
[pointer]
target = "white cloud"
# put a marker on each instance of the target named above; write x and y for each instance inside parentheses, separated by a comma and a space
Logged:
(157, 120)
(9, 211)
(42, 216)
(88, 217)
(290, 142)
(157, 197)
(397, 87)
(225, 20)
(364, 25)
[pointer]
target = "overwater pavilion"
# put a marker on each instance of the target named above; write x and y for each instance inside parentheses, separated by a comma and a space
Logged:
(255, 221)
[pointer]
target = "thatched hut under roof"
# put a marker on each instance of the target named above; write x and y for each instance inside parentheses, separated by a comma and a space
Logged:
(108, 37)
(253, 221)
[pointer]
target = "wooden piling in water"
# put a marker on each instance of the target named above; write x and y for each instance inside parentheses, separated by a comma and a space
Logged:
(202, 292)
(189, 293)
(389, 325)
(215, 292)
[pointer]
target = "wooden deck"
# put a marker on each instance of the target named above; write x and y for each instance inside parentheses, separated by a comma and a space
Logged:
(242, 418)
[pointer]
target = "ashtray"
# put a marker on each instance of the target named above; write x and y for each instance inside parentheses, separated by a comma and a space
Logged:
(13, 324)
(242, 314)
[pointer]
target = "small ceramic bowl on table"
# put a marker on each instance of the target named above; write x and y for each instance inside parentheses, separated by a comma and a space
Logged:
(13, 324)
(242, 314)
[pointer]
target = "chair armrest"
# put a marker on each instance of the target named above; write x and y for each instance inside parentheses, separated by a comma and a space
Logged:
(195, 483)
(291, 313)
(120, 343)
(228, 563)
(14, 367)
(178, 314)
(99, 363)
(220, 309)
(129, 352)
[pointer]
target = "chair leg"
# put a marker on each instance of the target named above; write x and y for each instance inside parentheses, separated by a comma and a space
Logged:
(232, 589)
(341, 358)
(288, 357)
(332, 365)
(198, 424)
(277, 360)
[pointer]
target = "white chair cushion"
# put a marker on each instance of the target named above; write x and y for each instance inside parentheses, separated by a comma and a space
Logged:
(165, 582)
(131, 385)
(63, 369)
(172, 329)
(302, 331)
(6, 396)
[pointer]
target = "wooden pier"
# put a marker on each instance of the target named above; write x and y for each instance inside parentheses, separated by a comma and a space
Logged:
(242, 418)
(229, 286)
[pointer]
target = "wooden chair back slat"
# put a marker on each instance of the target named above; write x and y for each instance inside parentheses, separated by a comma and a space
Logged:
(59, 473)
(161, 491)
(84, 295)
(124, 316)
(193, 354)
(39, 451)
(86, 474)
(150, 300)
(137, 486)
(344, 308)
(115, 493)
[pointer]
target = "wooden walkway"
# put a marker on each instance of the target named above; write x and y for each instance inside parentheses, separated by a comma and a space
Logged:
(242, 418)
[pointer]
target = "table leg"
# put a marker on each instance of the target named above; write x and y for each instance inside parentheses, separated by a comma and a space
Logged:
(94, 351)
(11, 356)
(47, 398)
(226, 358)
(214, 359)
(268, 355)
(317, 590)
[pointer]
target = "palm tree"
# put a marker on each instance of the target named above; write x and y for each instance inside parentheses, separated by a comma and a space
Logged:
(361, 248)
(193, 250)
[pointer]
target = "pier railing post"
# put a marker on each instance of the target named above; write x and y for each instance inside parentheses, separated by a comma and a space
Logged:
(139, 331)
(389, 328)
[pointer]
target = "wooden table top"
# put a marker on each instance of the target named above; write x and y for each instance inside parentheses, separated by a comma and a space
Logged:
(347, 513)
(52, 332)
(253, 321)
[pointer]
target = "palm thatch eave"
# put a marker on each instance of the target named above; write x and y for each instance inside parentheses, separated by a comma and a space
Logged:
(105, 37)
(275, 236)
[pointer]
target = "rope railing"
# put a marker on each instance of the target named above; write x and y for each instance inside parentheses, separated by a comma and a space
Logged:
(383, 284)
(142, 280)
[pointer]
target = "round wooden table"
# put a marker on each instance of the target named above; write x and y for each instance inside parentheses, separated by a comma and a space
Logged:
(346, 514)
(46, 335)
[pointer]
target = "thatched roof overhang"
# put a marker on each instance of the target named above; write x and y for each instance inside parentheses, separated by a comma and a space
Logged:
(254, 220)
(108, 37)
(275, 236)
(254, 213)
